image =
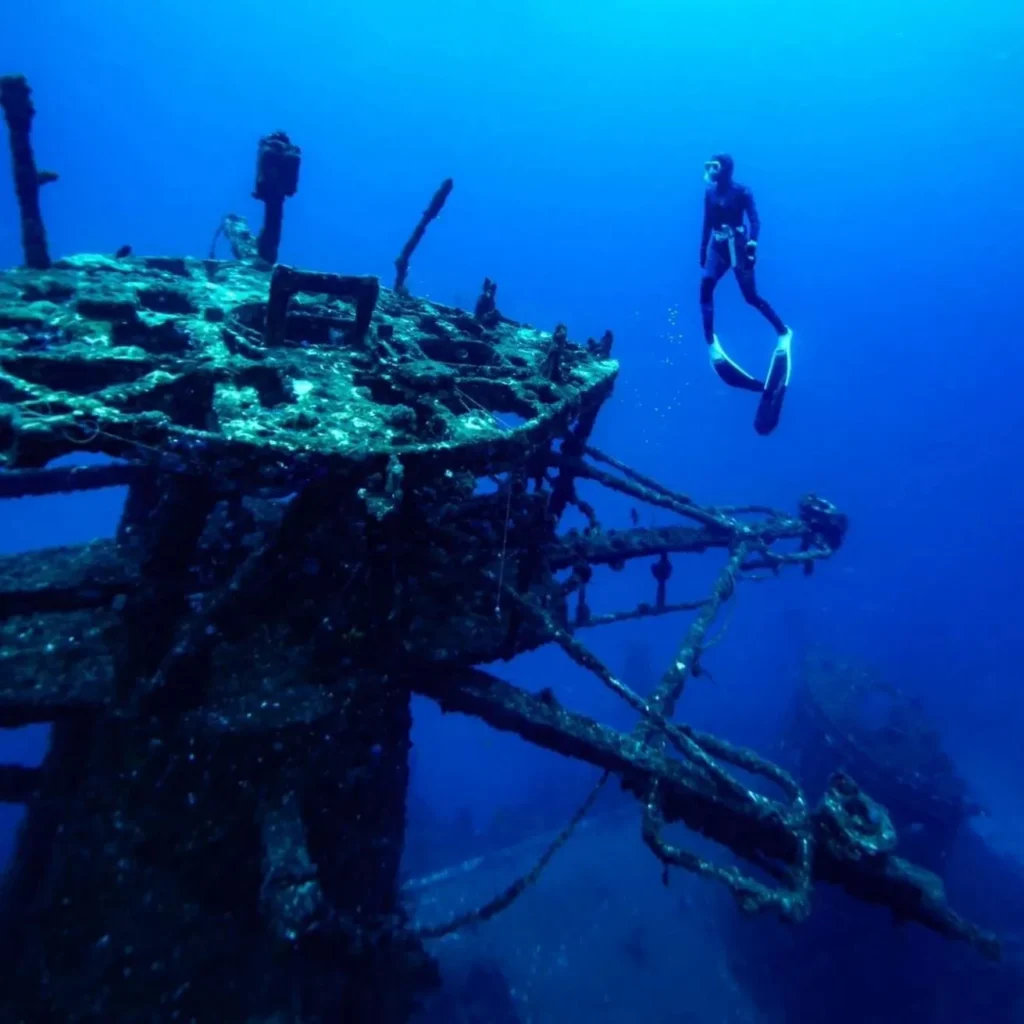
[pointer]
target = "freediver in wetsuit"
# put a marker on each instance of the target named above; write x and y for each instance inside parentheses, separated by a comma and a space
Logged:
(727, 241)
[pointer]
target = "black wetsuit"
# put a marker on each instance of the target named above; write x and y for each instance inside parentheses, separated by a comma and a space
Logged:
(725, 204)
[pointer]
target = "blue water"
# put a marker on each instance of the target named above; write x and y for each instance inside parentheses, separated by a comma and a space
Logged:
(886, 150)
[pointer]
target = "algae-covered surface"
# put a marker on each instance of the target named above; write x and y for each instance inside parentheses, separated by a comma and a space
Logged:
(121, 355)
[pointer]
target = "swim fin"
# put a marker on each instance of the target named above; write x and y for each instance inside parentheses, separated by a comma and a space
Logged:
(769, 409)
(731, 372)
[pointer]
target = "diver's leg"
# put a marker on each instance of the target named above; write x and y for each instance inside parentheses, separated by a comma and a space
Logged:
(748, 286)
(732, 373)
(714, 269)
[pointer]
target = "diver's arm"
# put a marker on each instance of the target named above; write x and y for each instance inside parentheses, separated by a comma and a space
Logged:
(751, 210)
(705, 235)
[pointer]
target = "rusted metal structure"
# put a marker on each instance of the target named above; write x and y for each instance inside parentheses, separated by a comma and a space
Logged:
(848, 715)
(325, 515)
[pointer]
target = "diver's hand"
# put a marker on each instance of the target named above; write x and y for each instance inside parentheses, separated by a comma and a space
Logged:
(751, 252)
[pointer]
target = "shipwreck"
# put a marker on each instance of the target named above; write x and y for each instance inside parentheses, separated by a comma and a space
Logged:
(339, 495)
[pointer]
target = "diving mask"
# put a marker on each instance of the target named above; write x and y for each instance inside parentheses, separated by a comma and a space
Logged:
(712, 169)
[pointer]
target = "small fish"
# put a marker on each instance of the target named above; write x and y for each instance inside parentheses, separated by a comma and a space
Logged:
(634, 516)
(125, 250)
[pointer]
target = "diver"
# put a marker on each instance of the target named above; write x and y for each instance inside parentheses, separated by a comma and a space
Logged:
(727, 241)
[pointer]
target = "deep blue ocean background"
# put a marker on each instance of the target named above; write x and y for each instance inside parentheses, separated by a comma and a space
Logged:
(885, 146)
